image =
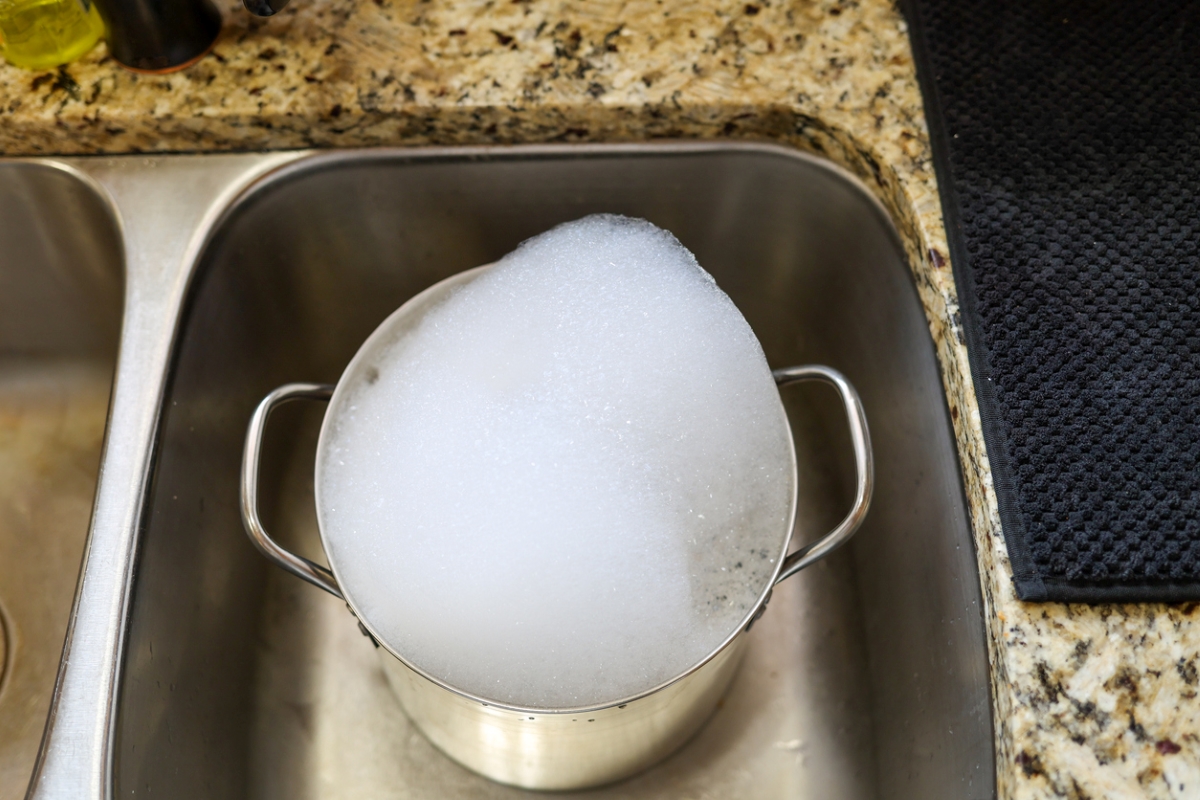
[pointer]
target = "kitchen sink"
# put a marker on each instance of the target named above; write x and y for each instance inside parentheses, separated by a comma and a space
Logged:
(204, 672)
(61, 278)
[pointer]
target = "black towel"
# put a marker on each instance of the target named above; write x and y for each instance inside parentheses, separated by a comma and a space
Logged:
(1066, 137)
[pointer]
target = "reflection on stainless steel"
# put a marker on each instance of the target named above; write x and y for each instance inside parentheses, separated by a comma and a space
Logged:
(615, 740)
(60, 308)
(193, 675)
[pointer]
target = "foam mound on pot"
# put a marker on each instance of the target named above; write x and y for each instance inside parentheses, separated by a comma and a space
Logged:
(570, 481)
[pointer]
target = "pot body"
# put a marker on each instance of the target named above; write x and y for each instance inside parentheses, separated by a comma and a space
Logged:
(539, 749)
(564, 751)
(549, 749)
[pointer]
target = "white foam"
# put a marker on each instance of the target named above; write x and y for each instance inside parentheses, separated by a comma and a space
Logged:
(570, 482)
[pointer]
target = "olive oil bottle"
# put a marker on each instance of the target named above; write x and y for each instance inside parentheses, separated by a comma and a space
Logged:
(39, 34)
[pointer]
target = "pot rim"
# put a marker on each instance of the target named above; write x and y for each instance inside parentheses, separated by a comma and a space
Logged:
(350, 375)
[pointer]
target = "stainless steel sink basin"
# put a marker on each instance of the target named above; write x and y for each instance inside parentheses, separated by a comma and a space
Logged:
(60, 311)
(196, 671)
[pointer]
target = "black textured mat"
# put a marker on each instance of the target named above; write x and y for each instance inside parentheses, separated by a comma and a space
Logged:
(1067, 143)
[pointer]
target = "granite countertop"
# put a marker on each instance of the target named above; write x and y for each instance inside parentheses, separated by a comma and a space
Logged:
(1090, 701)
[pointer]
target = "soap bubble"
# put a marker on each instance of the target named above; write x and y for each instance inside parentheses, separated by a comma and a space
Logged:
(570, 481)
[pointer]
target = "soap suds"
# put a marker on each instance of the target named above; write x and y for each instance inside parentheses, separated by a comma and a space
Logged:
(570, 481)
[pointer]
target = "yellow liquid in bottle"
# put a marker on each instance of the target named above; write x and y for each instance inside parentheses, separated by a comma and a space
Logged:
(38, 34)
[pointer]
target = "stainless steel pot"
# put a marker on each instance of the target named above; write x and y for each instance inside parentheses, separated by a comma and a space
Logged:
(552, 748)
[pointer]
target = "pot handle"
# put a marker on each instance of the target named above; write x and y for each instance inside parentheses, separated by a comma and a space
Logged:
(864, 464)
(297, 565)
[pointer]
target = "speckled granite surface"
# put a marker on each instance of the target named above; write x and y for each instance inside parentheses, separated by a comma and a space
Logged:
(1095, 702)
